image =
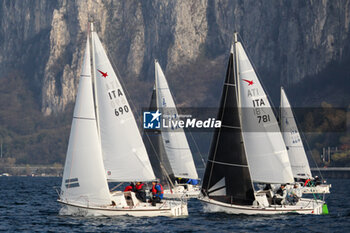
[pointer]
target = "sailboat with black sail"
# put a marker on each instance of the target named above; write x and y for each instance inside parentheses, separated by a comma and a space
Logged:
(105, 145)
(247, 149)
(170, 154)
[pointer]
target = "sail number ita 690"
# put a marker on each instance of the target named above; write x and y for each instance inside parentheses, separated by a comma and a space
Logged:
(121, 110)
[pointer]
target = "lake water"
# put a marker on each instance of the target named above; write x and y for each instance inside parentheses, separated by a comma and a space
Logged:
(29, 204)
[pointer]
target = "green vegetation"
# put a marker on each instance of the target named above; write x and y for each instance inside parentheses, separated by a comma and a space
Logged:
(328, 127)
(28, 137)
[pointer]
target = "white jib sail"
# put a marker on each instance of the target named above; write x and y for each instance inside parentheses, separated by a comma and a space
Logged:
(124, 154)
(266, 152)
(292, 139)
(84, 180)
(174, 140)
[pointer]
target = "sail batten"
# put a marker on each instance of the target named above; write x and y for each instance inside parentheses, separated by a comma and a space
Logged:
(296, 152)
(227, 178)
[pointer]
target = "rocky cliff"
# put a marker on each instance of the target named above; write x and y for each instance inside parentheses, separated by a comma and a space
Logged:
(288, 41)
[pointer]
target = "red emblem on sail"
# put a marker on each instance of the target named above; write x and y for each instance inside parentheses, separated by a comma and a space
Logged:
(103, 74)
(249, 82)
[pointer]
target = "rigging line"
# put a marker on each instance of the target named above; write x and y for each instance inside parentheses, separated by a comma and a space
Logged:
(239, 101)
(197, 148)
(161, 138)
(309, 149)
(305, 139)
(118, 185)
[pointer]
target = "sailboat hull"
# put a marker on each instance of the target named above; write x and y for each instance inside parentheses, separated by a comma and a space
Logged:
(323, 189)
(169, 209)
(179, 191)
(304, 206)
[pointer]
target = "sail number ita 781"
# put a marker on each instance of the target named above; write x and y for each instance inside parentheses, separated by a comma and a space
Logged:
(257, 104)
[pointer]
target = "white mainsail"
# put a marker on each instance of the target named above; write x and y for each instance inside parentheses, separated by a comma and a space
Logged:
(266, 152)
(174, 140)
(84, 179)
(124, 154)
(292, 139)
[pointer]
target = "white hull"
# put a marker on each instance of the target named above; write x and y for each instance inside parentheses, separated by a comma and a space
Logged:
(126, 206)
(322, 188)
(179, 191)
(304, 206)
(149, 211)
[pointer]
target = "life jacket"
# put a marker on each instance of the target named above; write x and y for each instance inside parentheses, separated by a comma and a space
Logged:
(139, 187)
(154, 190)
(128, 188)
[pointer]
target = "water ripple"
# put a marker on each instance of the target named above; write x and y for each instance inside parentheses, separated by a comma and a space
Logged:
(29, 204)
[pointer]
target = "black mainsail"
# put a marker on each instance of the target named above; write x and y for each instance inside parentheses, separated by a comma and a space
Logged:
(155, 148)
(227, 178)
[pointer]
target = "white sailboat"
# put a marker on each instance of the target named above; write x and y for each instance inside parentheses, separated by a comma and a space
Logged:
(296, 152)
(172, 147)
(247, 148)
(105, 145)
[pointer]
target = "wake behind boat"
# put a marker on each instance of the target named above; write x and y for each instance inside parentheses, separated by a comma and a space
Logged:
(248, 148)
(105, 145)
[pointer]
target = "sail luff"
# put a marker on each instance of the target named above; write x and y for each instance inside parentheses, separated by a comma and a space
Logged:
(93, 73)
(296, 151)
(239, 104)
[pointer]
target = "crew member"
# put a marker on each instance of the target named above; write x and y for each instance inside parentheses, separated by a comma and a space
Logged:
(140, 192)
(130, 187)
(157, 193)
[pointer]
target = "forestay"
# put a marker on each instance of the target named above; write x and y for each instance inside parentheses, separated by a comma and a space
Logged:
(267, 155)
(174, 139)
(84, 180)
(124, 154)
(292, 139)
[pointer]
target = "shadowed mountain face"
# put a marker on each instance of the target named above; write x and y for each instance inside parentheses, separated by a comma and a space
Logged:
(287, 41)
(302, 45)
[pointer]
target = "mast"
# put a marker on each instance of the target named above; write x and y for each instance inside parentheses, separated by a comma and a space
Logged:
(238, 93)
(160, 143)
(227, 178)
(93, 74)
